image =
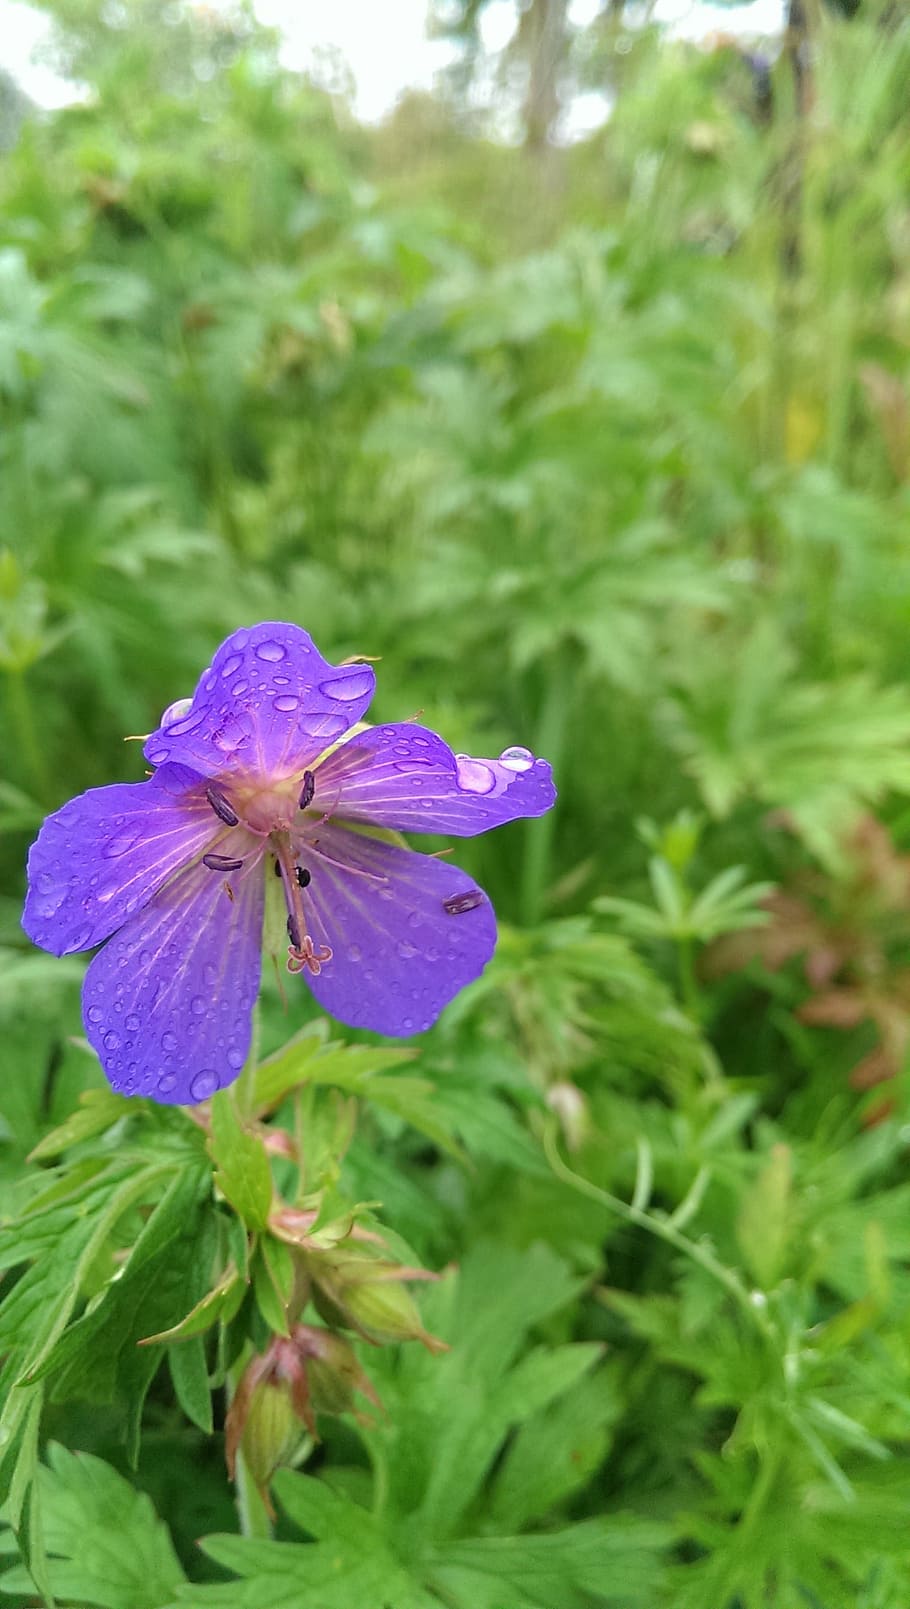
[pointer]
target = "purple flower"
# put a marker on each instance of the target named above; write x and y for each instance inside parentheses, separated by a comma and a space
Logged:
(265, 786)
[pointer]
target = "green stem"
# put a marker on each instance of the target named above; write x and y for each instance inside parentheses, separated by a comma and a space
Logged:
(665, 1229)
(539, 833)
(688, 984)
(26, 734)
(245, 1087)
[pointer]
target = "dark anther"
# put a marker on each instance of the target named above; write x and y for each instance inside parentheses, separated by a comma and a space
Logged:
(277, 868)
(307, 791)
(303, 877)
(221, 863)
(294, 932)
(222, 809)
(457, 904)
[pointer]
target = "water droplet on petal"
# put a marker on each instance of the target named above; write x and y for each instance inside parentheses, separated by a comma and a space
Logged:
(473, 775)
(197, 1005)
(204, 1084)
(354, 952)
(168, 1041)
(406, 951)
(235, 1059)
(347, 688)
(111, 1041)
(230, 665)
(94, 1014)
(286, 703)
(210, 974)
(516, 759)
(175, 711)
(122, 841)
(240, 638)
(132, 1022)
(408, 1023)
(270, 651)
(166, 1083)
(157, 755)
(238, 688)
(189, 724)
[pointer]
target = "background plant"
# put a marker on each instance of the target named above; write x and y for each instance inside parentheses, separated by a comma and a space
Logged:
(603, 449)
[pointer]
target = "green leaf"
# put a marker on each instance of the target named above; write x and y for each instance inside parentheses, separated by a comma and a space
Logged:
(763, 1225)
(308, 1059)
(99, 1109)
(242, 1170)
(190, 1375)
(617, 1560)
(273, 1272)
(217, 1305)
(163, 1267)
(106, 1546)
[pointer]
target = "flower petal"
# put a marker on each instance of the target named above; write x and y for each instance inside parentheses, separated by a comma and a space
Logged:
(404, 776)
(398, 955)
(167, 1003)
(268, 704)
(103, 854)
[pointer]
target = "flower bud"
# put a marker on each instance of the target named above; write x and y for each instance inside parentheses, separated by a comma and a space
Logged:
(368, 1295)
(272, 1434)
(280, 1393)
(270, 1412)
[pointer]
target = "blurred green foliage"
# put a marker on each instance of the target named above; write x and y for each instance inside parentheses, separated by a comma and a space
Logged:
(606, 452)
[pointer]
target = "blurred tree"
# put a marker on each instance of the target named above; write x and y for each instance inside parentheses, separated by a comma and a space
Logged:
(539, 46)
(175, 44)
(14, 106)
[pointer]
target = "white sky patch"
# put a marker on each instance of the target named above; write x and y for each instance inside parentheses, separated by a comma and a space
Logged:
(383, 42)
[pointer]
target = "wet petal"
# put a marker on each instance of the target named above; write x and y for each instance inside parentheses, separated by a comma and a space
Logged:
(404, 776)
(268, 704)
(399, 955)
(168, 1002)
(103, 855)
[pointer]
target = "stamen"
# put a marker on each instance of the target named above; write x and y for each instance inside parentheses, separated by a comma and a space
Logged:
(221, 863)
(345, 866)
(307, 791)
(294, 931)
(457, 904)
(224, 811)
(303, 877)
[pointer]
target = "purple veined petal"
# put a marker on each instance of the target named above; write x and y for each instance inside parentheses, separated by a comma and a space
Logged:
(103, 855)
(404, 776)
(168, 1002)
(398, 954)
(266, 706)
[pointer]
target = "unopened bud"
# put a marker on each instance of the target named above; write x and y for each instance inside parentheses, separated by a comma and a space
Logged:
(272, 1434)
(368, 1295)
(280, 1392)
(570, 1106)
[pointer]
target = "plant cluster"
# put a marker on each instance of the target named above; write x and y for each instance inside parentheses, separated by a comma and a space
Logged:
(595, 1295)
